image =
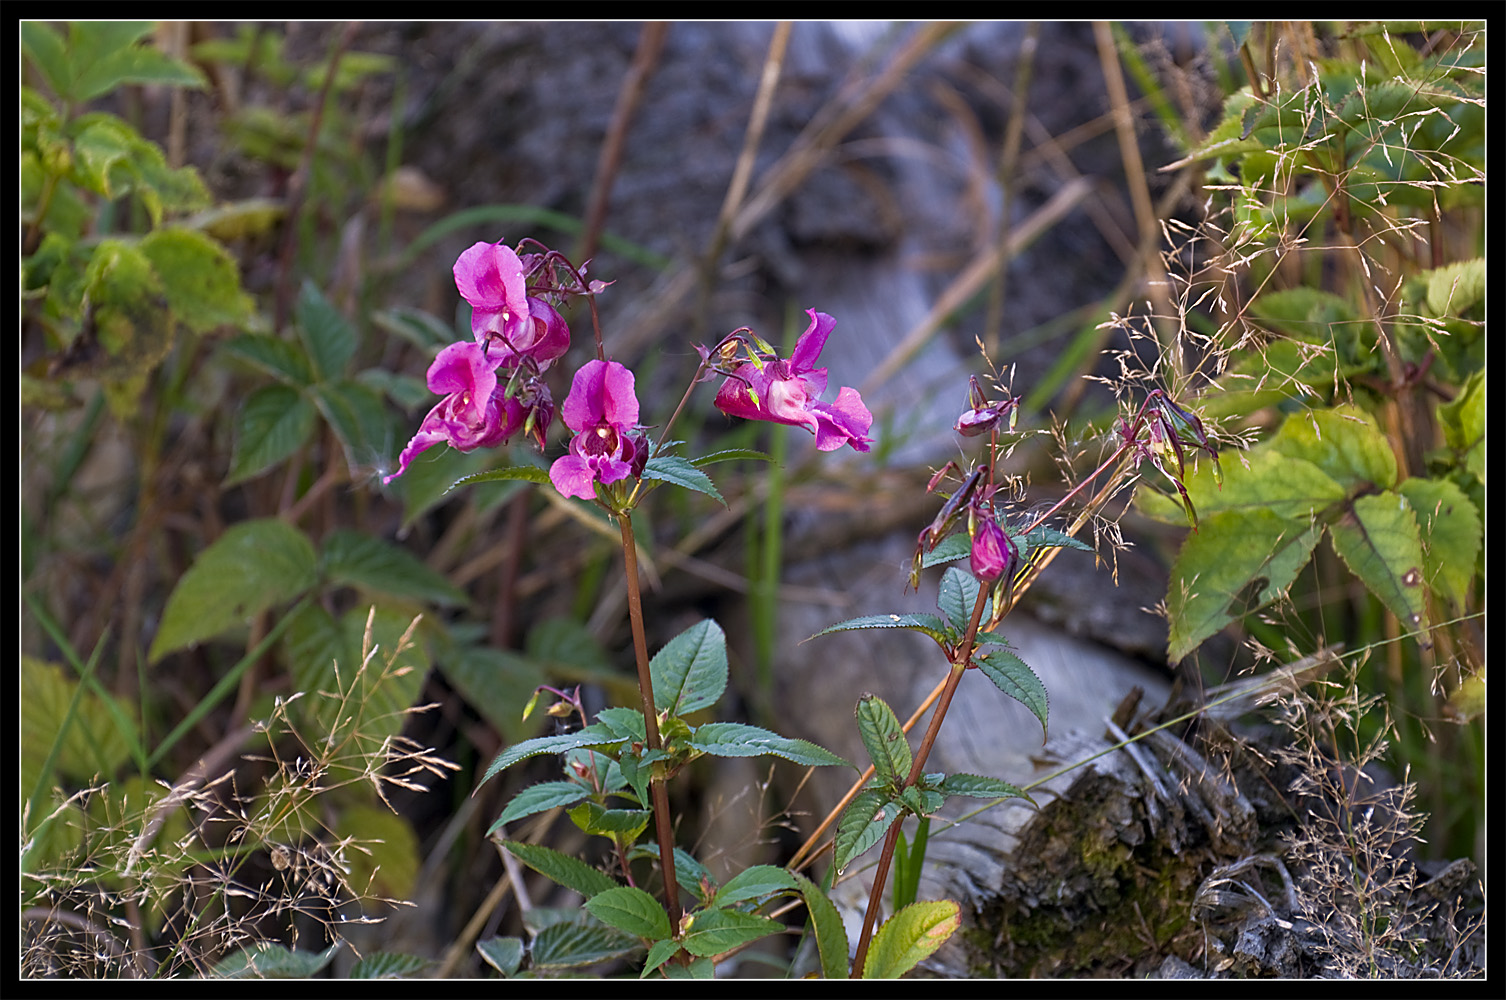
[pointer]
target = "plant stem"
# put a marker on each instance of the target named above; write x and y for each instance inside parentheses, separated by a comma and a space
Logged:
(959, 667)
(657, 790)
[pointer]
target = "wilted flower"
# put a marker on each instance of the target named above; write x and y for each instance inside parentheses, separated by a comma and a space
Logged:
(602, 409)
(983, 414)
(788, 392)
(474, 413)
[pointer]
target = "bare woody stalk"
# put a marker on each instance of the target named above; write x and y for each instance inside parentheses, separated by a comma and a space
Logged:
(657, 790)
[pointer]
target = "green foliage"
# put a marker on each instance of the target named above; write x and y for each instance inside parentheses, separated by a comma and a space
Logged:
(909, 937)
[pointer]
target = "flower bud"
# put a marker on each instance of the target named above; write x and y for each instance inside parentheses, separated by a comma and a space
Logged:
(993, 553)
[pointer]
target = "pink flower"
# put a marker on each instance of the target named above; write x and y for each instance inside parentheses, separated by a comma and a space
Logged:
(474, 413)
(602, 409)
(788, 392)
(491, 278)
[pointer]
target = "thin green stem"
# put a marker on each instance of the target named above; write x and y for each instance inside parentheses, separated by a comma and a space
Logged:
(657, 791)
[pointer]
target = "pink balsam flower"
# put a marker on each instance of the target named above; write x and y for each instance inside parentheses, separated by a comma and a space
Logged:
(993, 552)
(602, 410)
(474, 412)
(491, 278)
(788, 392)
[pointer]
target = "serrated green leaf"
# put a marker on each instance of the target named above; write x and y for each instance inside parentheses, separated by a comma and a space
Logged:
(274, 423)
(1043, 537)
(504, 954)
(909, 937)
(591, 736)
(539, 798)
(958, 594)
(579, 941)
(619, 824)
(388, 965)
(200, 278)
(690, 672)
(949, 549)
(921, 801)
(1294, 489)
(47, 50)
(250, 568)
(622, 722)
(1452, 535)
(1238, 561)
(1379, 541)
(659, 953)
(1344, 442)
(494, 682)
(731, 455)
(328, 336)
(631, 911)
(353, 558)
(753, 883)
(980, 787)
(522, 473)
(93, 746)
(733, 739)
(826, 923)
(676, 470)
(572, 873)
(714, 931)
(1454, 289)
(884, 739)
(867, 818)
(689, 872)
(359, 418)
(1012, 676)
(1463, 422)
(272, 961)
(929, 624)
(107, 55)
(282, 359)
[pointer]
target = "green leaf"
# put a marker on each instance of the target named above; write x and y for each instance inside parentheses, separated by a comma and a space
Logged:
(712, 932)
(1463, 422)
(867, 818)
(1379, 541)
(328, 336)
(355, 559)
(979, 787)
(1011, 675)
(1263, 478)
(524, 473)
(572, 873)
(1455, 289)
(274, 423)
(359, 418)
(1343, 442)
(1239, 561)
(731, 455)
(591, 736)
(658, 953)
(690, 672)
(107, 55)
(388, 965)
(631, 911)
(93, 745)
(505, 954)
(733, 739)
(386, 861)
(1043, 537)
(929, 624)
(826, 923)
(494, 682)
(619, 824)
(1452, 535)
(540, 798)
(884, 739)
(253, 566)
(959, 592)
(272, 961)
(46, 49)
(200, 278)
(282, 359)
(949, 549)
(676, 470)
(578, 941)
(909, 937)
(754, 883)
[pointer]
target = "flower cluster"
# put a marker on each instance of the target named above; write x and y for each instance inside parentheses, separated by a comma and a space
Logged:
(493, 387)
(516, 333)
